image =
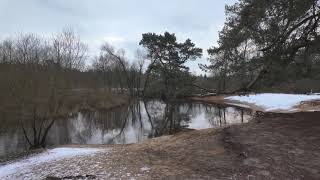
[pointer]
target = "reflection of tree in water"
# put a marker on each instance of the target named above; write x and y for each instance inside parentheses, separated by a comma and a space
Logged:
(167, 118)
(141, 120)
(101, 125)
(219, 115)
(147, 119)
(11, 138)
(129, 124)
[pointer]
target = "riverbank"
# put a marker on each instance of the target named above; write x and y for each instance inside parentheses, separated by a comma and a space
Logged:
(74, 101)
(273, 146)
(13, 145)
(267, 102)
(88, 99)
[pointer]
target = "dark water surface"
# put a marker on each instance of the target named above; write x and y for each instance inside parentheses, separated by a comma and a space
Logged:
(129, 124)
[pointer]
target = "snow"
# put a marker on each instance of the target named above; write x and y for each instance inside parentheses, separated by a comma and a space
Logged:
(272, 101)
(47, 156)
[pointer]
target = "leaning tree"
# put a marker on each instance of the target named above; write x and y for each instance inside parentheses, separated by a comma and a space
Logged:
(261, 38)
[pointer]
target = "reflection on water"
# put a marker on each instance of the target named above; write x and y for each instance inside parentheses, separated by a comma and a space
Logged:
(131, 124)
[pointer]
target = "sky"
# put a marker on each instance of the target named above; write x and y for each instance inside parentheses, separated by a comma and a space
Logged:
(121, 23)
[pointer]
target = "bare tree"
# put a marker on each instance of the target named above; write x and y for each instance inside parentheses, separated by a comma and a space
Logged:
(141, 59)
(35, 74)
(119, 58)
(68, 50)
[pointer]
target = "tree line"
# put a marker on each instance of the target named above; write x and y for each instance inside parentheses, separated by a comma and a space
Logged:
(261, 44)
(44, 79)
(41, 77)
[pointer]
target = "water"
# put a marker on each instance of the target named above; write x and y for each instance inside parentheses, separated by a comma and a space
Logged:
(129, 124)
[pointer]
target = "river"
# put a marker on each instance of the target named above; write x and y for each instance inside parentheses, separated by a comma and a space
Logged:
(128, 124)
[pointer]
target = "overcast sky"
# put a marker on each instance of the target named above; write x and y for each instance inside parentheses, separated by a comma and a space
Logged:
(119, 22)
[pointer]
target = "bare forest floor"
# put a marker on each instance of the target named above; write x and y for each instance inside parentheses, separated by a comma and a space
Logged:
(273, 146)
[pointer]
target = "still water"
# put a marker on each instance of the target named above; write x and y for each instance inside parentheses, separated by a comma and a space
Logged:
(129, 124)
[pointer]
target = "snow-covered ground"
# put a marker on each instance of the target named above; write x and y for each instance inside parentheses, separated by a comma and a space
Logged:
(273, 102)
(25, 166)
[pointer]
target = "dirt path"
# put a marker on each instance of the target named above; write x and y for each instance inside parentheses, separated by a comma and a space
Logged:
(276, 147)
(283, 146)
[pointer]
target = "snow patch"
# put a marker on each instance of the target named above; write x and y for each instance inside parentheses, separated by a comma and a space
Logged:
(47, 156)
(272, 101)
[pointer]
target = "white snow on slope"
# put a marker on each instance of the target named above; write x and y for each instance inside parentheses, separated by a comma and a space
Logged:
(272, 101)
(47, 156)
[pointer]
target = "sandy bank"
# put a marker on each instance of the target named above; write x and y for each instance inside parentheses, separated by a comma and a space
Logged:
(285, 146)
(268, 102)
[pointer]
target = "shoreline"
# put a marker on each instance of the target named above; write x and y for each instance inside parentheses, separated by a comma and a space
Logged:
(302, 106)
(114, 103)
(274, 146)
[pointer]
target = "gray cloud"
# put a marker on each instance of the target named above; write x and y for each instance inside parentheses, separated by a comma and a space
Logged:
(121, 21)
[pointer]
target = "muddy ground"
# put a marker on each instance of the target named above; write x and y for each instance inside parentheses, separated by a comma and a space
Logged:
(274, 146)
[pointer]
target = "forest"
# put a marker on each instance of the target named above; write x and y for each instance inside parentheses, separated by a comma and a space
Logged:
(263, 47)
